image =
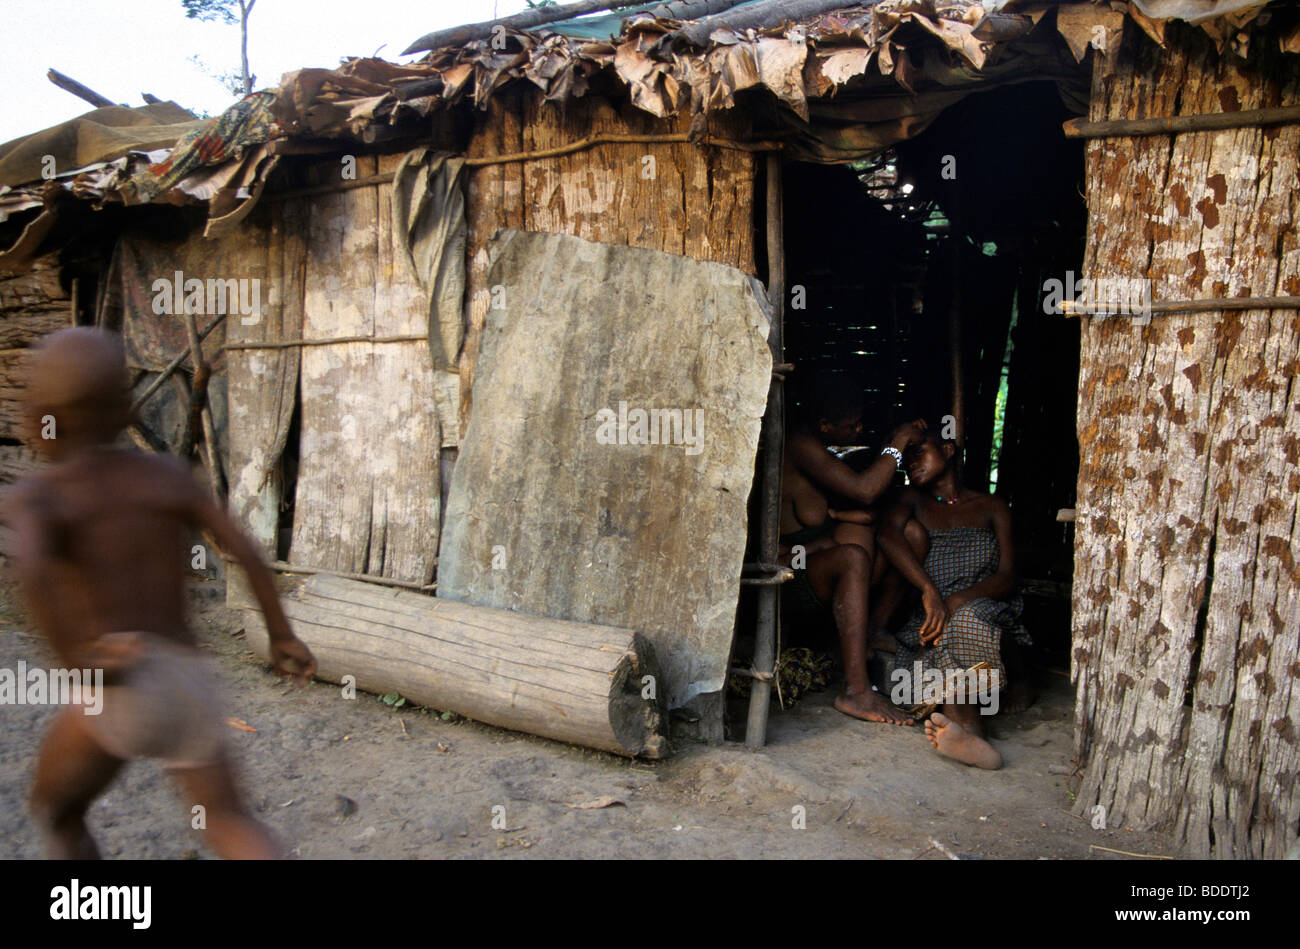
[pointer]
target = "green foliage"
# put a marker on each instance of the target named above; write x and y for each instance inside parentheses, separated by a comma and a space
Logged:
(220, 10)
(393, 700)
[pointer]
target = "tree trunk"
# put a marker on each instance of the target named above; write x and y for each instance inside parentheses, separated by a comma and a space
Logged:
(1186, 592)
(244, 11)
(572, 682)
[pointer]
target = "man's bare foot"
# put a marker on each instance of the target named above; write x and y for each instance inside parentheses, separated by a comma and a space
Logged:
(871, 707)
(882, 640)
(953, 741)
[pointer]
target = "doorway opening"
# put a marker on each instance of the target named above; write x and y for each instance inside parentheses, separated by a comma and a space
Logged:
(919, 274)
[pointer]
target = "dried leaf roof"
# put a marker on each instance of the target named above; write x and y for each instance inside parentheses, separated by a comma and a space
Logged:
(848, 78)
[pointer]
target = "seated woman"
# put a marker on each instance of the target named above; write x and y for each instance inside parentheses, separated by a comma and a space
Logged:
(962, 564)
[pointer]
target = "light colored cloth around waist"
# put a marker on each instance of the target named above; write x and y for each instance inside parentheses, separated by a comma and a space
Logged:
(166, 706)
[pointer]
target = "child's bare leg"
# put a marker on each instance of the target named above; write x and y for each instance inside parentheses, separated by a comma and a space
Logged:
(71, 771)
(230, 830)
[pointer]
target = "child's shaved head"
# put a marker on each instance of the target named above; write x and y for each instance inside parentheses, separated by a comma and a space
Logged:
(78, 376)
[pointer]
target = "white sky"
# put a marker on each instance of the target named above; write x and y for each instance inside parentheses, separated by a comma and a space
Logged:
(127, 47)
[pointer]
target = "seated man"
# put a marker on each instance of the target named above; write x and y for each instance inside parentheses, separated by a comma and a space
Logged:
(837, 557)
(962, 563)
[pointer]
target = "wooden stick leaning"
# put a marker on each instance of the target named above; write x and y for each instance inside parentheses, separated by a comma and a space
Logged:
(173, 366)
(199, 407)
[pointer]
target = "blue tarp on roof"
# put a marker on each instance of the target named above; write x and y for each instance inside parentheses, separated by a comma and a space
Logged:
(596, 26)
(604, 26)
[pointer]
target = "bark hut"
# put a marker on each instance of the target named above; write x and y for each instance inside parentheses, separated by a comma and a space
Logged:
(573, 682)
(1186, 593)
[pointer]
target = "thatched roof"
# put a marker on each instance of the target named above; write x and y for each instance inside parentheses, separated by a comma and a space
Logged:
(835, 81)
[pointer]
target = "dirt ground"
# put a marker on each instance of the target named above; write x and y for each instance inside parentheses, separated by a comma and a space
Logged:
(338, 778)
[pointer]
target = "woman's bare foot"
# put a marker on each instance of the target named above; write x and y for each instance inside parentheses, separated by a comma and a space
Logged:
(871, 707)
(953, 741)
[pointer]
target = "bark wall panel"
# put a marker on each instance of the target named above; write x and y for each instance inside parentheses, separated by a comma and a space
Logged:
(262, 384)
(699, 201)
(368, 485)
(1185, 603)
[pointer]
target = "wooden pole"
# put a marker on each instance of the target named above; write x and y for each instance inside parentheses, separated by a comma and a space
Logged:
(538, 16)
(1208, 305)
(68, 84)
(759, 15)
(1173, 124)
(173, 366)
(200, 413)
(769, 602)
(954, 347)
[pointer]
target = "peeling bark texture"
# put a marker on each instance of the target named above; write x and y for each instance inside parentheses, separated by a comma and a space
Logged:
(32, 304)
(13, 380)
(572, 682)
(262, 384)
(560, 505)
(368, 489)
(1187, 558)
(699, 201)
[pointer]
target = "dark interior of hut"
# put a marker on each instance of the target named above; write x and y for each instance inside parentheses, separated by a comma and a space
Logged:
(939, 248)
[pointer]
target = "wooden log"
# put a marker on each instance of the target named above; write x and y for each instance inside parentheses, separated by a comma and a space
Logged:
(574, 682)
(538, 16)
(68, 84)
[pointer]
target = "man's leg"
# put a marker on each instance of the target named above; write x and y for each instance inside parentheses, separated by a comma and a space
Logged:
(230, 830)
(841, 575)
(71, 771)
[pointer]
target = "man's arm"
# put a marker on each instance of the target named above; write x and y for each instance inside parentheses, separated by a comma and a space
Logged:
(894, 543)
(287, 650)
(832, 475)
(1003, 580)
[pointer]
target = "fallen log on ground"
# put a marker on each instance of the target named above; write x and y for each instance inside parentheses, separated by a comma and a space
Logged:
(573, 682)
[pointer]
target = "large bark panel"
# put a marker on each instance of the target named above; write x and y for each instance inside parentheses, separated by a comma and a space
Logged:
(544, 517)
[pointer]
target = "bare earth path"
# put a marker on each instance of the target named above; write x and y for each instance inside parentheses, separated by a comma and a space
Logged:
(355, 779)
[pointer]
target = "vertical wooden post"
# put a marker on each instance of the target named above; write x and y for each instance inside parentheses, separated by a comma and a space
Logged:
(955, 355)
(774, 447)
